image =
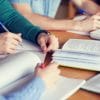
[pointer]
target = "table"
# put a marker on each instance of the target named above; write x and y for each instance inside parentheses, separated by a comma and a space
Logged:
(75, 73)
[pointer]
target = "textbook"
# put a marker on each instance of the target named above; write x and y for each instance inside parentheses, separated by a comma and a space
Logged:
(79, 53)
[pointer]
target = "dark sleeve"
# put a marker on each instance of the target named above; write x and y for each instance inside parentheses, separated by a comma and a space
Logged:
(32, 91)
(17, 23)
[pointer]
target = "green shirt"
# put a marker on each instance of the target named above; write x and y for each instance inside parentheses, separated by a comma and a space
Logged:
(17, 23)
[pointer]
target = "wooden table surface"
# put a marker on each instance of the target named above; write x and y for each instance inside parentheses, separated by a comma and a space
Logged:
(75, 73)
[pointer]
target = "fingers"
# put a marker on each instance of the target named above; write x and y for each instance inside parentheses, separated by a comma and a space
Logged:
(16, 37)
(96, 19)
(53, 43)
(43, 45)
(48, 42)
(10, 42)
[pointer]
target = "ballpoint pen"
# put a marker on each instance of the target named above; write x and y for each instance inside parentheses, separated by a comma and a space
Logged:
(4, 27)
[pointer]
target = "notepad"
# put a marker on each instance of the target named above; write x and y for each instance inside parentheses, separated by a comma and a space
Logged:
(79, 53)
(62, 89)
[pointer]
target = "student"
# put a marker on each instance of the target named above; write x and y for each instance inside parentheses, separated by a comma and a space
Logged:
(41, 9)
(18, 24)
(44, 78)
(9, 41)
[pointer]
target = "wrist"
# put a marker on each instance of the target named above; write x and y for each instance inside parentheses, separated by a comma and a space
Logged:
(40, 36)
(77, 26)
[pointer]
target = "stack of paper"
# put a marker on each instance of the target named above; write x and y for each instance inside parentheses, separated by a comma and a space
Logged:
(79, 53)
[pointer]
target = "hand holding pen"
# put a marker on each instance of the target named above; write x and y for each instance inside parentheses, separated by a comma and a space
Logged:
(48, 42)
(9, 41)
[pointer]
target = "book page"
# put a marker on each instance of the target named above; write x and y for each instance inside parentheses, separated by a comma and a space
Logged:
(62, 89)
(16, 66)
(82, 46)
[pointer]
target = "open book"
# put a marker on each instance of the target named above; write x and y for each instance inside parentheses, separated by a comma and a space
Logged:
(79, 53)
(15, 66)
(17, 70)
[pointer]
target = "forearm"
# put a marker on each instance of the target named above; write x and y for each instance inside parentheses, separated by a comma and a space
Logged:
(17, 23)
(49, 23)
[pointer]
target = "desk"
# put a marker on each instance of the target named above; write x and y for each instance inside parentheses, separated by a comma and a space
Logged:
(75, 73)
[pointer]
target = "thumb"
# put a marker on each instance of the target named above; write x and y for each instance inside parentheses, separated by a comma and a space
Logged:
(43, 45)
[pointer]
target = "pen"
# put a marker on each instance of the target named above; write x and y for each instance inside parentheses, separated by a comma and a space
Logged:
(5, 29)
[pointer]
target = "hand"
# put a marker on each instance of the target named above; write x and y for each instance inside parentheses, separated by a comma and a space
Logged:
(49, 75)
(48, 42)
(8, 42)
(89, 24)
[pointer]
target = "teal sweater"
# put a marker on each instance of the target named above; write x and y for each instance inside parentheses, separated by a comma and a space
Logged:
(17, 23)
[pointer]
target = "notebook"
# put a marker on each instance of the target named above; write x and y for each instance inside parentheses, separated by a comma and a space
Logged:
(79, 53)
(93, 84)
(62, 89)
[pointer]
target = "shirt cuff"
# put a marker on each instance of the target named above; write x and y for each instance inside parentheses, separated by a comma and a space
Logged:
(40, 83)
(41, 31)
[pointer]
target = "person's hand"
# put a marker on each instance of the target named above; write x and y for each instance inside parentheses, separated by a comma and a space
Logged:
(8, 42)
(48, 42)
(49, 75)
(89, 24)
